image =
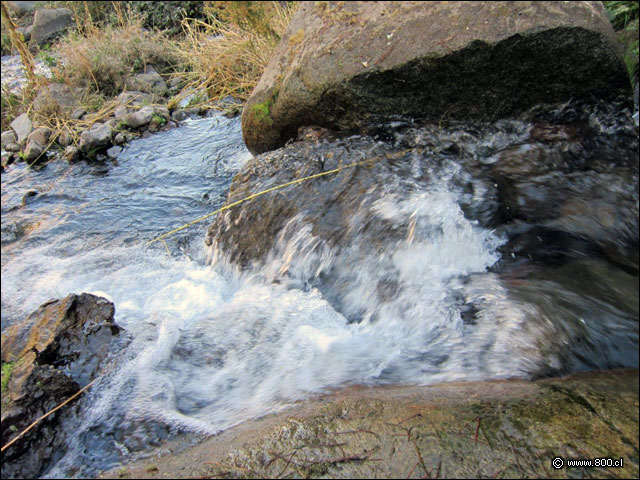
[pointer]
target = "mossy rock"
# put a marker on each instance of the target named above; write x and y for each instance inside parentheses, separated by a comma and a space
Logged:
(457, 60)
(499, 429)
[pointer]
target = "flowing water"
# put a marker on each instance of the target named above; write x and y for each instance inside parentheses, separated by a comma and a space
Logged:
(447, 287)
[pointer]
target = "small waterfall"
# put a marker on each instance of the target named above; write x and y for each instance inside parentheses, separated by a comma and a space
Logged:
(427, 278)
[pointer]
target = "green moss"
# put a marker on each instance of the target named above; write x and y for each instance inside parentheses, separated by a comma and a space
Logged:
(158, 120)
(7, 368)
(262, 112)
(624, 18)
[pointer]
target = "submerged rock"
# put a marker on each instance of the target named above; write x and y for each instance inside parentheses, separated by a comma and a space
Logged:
(55, 351)
(508, 429)
(338, 65)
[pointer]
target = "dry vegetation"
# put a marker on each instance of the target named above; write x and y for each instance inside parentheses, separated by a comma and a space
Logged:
(101, 58)
(223, 52)
(227, 54)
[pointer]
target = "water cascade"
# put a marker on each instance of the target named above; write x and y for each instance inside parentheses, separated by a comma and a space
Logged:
(465, 252)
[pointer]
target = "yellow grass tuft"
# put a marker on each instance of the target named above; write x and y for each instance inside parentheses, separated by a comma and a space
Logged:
(227, 54)
(101, 58)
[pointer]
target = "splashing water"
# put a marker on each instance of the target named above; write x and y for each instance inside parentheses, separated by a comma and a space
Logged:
(210, 345)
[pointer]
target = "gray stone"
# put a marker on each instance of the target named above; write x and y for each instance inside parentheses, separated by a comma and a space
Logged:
(228, 101)
(21, 8)
(57, 98)
(193, 97)
(162, 111)
(149, 81)
(33, 150)
(26, 198)
(40, 135)
(12, 147)
(119, 139)
(340, 67)
(26, 32)
(178, 115)
(134, 98)
(78, 113)
(140, 118)
(8, 137)
(120, 111)
(37, 143)
(99, 136)
(112, 122)
(174, 82)
(71, 153)
(194, 111)
(47, 23)
(23, 127)
(58, 349)
(114, 151)
(447, 430)
(7, 159)
(64, 139)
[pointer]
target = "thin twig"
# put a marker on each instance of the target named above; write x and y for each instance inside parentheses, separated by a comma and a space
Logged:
(353, 431)
(420, 458)
(47, 414)
(288, 462)
(414, 467)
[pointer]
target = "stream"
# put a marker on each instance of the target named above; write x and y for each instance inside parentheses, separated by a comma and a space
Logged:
(478, 268)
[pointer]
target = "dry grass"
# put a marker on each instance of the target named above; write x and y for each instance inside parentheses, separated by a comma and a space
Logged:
(225, 55)
(228, 58)
(101, 58)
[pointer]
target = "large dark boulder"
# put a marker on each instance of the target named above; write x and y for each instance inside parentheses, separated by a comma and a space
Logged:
(55, 351)
(341, 63)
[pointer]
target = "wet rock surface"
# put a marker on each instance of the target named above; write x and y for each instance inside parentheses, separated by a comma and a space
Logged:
(339, 65)
(509, 429)
(54, 352)
(560, 185)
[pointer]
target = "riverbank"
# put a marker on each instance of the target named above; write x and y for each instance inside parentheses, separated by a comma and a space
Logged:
(500, 429)
(210, 60)
(97, 78)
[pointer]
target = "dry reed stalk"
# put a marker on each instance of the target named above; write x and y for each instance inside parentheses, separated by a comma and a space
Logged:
(83, 389)
(225, 59)
(26, 57)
